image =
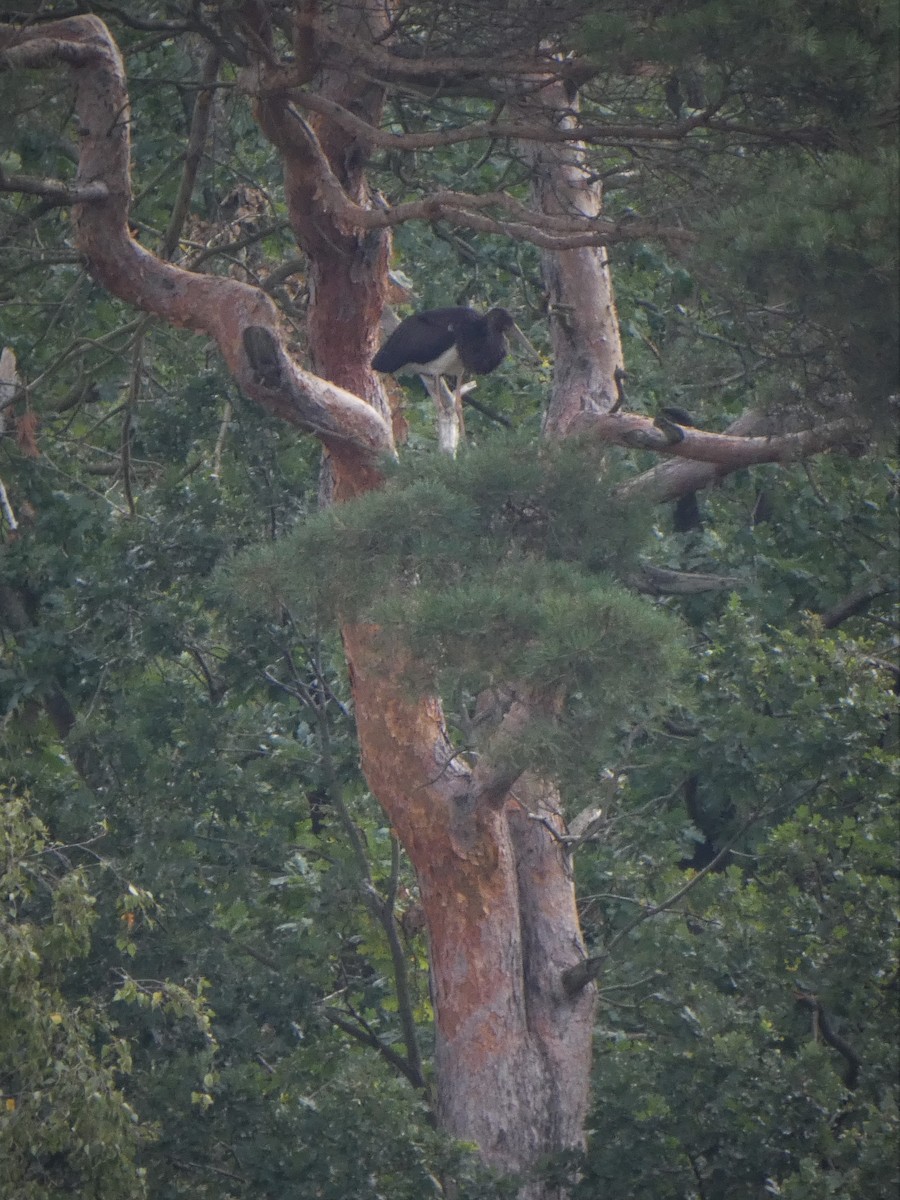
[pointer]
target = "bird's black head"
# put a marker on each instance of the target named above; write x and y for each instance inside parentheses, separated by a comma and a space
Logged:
(499, 320)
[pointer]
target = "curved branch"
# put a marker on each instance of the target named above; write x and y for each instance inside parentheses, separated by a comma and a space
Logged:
(241, 319)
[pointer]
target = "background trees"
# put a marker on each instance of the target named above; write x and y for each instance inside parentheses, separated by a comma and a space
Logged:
(258, 939)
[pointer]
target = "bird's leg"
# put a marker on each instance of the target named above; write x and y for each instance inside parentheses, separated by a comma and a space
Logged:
(458, 406)
(447, 422)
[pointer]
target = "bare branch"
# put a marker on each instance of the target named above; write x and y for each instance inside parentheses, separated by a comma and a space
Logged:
(550, 231)
(519, 130)
(658, 581)
(54, 191)
(753, 438)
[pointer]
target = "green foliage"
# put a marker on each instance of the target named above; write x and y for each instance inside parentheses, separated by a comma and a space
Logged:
(195, 769)
(436, 520)
(499, 568)
(791, 730)
(794, 273)
(822, 237)
(65, 1126)
(835, 61)
(750, 1097)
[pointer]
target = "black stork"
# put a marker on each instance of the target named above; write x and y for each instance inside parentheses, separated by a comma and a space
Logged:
(449, 341)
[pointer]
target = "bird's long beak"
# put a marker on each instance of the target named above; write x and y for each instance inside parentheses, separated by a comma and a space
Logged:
(518, 336)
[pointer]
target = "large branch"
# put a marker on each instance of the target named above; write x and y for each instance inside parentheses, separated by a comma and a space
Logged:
(699, 458)
(242, 320)
(718, 449)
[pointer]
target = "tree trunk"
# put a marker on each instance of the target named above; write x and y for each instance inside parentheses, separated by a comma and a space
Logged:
(512, 1051)
(584, 325)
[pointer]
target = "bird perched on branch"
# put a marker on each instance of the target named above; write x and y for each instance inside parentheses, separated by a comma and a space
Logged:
(449, 341)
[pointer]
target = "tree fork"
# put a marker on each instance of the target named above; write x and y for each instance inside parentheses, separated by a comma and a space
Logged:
(512, 1047)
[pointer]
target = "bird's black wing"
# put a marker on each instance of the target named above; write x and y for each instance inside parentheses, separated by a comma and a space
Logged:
(421, 338)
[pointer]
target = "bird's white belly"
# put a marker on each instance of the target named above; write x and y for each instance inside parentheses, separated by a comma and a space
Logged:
(448, 363)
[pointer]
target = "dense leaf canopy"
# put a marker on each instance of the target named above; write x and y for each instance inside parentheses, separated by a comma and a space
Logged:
(202, 997)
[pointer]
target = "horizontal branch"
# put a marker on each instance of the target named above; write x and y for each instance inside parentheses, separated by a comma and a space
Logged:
(718, 449)
(53, 190)
(595, 133)
(704, 457)
(659, 581)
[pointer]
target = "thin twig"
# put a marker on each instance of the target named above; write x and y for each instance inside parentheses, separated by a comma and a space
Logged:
(583, 973)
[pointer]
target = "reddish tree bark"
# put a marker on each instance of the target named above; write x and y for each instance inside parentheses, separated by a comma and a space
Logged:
(512, 1046)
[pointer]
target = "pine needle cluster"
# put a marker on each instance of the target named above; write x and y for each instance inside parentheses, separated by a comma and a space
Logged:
(501, 570)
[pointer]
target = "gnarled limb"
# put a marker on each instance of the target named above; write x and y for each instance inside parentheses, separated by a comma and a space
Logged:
(224, 309)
